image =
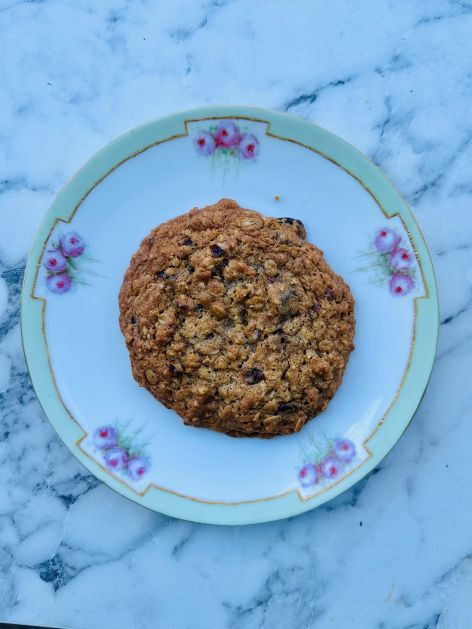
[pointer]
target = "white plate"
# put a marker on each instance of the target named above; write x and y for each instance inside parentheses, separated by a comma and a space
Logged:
(79, 362)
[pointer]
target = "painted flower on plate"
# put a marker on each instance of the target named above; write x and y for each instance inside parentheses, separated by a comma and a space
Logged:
(64, 269)
(204, 143)
(327, 462)
(72, 245)
(401, 284)
(248, 146)
(137, 467)
(387, 240)
(401, 259)
(344, 450)
(59, 283)
(105, 437)
(308, 475)
(116, 458)
(54, 261)
(227, 134)
(227, 144)
(331, 467)
(390, 263)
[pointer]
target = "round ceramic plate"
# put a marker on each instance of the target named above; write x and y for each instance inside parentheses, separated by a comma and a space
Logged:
(279, 166)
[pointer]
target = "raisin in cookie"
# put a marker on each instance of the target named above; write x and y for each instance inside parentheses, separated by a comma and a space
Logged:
(236, 322)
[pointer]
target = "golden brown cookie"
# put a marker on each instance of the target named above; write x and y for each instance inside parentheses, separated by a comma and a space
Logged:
(235, 321)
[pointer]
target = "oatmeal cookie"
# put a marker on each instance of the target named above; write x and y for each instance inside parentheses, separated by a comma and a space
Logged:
(235, 321)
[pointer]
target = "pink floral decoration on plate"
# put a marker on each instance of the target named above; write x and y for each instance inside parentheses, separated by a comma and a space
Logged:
(344, 450)
(226, 143)
(248, 146)
(204, 143)
(54, 261)
(58, 283)
(401, 284)
(72, 245)
(386, 240)
(116, 458)
(61, 263)
(227, 134)
(326, 462)
(390, 263)
(331, 467)
(121, 451)
(401, 259)
(308, 475)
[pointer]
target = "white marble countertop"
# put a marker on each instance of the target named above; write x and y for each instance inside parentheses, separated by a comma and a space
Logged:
(393, 78)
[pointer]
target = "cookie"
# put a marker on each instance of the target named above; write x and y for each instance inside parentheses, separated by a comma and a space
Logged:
(236, 322)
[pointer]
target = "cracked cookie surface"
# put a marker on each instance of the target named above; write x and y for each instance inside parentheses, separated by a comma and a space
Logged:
(235, 321)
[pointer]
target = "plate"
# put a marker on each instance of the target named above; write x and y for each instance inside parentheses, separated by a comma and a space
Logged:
(77, 358)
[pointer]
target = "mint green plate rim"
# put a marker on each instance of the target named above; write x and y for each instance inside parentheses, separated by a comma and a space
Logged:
(333, 148)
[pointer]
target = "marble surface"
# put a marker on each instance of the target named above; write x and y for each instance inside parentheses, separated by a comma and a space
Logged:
(393, 78)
